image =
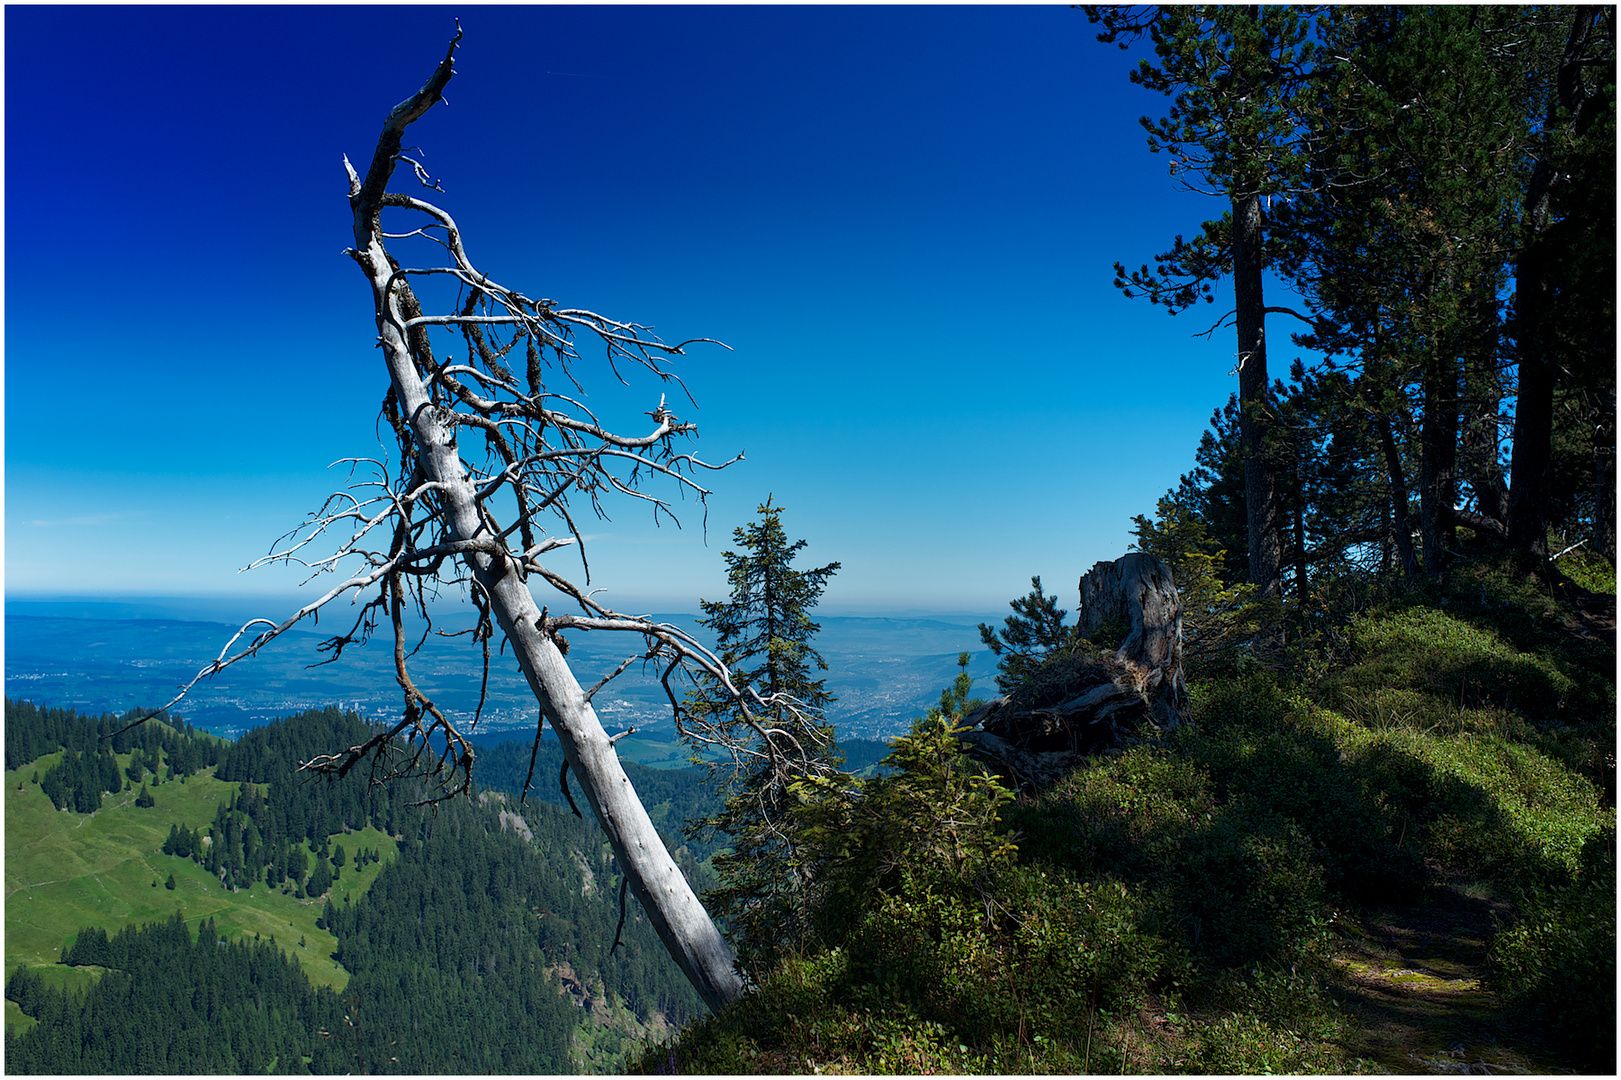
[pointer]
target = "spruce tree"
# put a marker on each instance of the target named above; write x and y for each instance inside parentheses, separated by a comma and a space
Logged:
(764, 636)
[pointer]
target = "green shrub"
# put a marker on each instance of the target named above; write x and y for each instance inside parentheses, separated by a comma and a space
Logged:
(1588, 570)
(1556, 965)
(935, 819)
(1482, 803)
(1248, 888)
(1426, 649)
(1125, 816)
(1219, 872)
(1242, 1043)
(1279, 754)
(1041, 951)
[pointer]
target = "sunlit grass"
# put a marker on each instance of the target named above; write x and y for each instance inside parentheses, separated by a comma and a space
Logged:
(67, 871)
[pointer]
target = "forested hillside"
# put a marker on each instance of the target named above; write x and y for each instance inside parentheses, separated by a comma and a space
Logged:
(170, 1002)
(491, 925)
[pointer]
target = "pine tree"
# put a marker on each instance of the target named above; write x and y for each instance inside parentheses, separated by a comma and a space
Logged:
(1237, 79)
(764, 630)
(1035, 629)
(765, 633)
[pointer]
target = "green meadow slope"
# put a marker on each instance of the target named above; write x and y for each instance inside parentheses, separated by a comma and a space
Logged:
(66, 871)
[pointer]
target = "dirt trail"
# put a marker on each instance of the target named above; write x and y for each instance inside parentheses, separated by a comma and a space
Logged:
(1411, 980)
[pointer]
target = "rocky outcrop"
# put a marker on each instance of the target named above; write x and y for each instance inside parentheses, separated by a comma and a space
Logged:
(1085, 701)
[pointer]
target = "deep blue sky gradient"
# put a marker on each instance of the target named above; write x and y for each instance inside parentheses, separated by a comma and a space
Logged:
(902, 220)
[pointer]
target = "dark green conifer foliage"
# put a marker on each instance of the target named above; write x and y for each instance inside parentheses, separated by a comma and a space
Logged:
(765, 633)
(765, 629)
(1237, 78)
(1034, 630)
(171, 1004)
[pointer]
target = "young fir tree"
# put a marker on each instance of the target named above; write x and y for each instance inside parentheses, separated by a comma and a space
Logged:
(765, 633)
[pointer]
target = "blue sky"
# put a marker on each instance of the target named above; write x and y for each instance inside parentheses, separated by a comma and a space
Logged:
(902, 220)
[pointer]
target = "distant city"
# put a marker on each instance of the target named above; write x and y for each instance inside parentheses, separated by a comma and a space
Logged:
(884, 672)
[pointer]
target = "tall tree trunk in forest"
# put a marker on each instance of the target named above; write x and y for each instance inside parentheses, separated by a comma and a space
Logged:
(1237, 75)
(1479, 439)
(1301, 581)
(1531, 463)
(1532, 460)
(1438, 452)
(1604, 482)
(1402, 531)
(1255, 411)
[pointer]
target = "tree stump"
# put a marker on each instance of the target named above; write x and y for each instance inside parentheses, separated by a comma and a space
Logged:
(1139, 589)
(1078, 703)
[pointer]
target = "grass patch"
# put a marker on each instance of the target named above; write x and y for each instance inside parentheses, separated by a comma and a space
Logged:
(67, 871)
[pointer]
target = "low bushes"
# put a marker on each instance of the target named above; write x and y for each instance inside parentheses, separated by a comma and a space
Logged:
(1167, 907)
(1556, 965)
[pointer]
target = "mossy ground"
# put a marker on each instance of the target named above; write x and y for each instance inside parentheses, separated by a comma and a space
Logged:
(1410, 980)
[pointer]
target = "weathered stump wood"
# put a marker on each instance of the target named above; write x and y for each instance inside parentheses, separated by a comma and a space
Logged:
(1080, 704)
(1139, 587)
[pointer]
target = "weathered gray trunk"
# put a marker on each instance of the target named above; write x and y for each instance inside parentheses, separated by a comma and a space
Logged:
(672, 907)
(1139, 589)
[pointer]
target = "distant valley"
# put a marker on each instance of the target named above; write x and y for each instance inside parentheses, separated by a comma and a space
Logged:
(884, 671)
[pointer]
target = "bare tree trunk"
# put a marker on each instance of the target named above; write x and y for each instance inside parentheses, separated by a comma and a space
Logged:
(675, 911)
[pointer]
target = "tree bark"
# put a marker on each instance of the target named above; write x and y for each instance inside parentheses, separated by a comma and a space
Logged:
(675, 911)
(1437, 469)
(1080, 706)
(1604, 482)
(1531, 465)
(1531, 462)
(1402, 531)
(1260, 483)
(1139, 588)
(1483, 397)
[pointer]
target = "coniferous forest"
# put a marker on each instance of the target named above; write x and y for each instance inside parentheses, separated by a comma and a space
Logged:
(481, 946)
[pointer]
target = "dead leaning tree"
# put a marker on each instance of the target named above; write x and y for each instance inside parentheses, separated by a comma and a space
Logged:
(440, 519)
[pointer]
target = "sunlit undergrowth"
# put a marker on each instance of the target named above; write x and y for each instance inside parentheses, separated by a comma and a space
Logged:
(1174, 907)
